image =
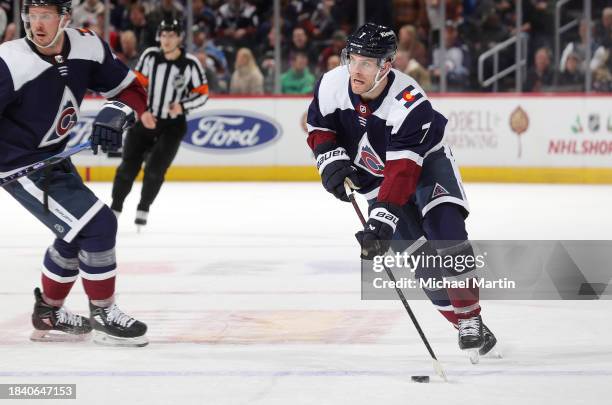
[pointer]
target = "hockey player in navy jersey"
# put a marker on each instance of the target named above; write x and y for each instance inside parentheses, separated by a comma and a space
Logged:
(374, 127)
(43, 79)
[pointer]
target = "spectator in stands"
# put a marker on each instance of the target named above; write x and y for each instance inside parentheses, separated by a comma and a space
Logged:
(10, 33)
(237, 22)
(98, 28)
(322, 21)
(129, 51)
(333, 62)
(408, 41)
(406, 64)
(578, 48)
(435, 21)
(202, 42)
(119, 15)
(247, 78)
(204, 16)
(298, 79)
(603, 28)
(85, 14)
(296, 13)
(3, 23)
(300, 43)
(167, 10)
(145, 33)
(412, 12)
(456, 60)
(338, 42)
(601, 65)
(571, 77)
(540, 75)
(211, 75)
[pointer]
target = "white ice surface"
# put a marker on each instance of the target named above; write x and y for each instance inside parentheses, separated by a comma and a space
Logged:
(251, 294)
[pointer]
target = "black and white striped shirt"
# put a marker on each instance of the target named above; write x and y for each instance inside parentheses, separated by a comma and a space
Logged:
(171, 81)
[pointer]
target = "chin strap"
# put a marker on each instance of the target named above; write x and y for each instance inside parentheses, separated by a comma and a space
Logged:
(377, 80)
(60, 28)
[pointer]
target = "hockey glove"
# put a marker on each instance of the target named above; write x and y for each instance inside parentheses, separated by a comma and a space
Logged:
(376, 236)
(108, 127)
(334, 167)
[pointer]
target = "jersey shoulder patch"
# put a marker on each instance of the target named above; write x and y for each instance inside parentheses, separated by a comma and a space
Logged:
(333, 91)
(406, 90)
(85, 45)
(16, 54)
(405, 95)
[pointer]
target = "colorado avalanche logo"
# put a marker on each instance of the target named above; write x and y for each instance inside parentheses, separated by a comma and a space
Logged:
(65, 119)
(368, 159)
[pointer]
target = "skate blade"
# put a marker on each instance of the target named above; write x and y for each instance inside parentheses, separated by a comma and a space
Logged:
(57, 336)
(104, 339)
(474, 356)
(493, 354)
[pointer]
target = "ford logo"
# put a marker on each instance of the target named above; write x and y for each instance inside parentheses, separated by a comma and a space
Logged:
(231, 130)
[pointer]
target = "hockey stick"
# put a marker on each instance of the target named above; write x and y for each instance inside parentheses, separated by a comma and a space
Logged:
(436, 364)
(16, 174)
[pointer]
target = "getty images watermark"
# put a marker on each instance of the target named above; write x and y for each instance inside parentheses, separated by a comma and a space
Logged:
(502, 270)
(430, 268)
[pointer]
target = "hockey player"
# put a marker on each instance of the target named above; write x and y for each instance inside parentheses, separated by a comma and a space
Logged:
(374, 127)
(43, 79)
(176, 85)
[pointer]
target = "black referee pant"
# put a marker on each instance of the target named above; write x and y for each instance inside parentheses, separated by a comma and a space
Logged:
(157, 149)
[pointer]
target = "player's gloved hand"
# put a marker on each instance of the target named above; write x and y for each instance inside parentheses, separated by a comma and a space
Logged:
(334, 167)
(376, 236)
(108, 127)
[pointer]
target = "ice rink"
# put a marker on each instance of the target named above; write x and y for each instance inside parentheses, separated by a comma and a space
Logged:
(251, 292)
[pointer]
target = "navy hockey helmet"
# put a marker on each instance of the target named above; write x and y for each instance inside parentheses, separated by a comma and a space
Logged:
(64, 9)
(373, 41)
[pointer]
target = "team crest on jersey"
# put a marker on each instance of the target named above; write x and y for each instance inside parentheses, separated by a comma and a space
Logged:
(438, 191)
(66, 118)
(368, 159)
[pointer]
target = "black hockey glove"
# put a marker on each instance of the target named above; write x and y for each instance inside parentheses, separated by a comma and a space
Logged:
(376, 236)
(108, 127)
(334, 167)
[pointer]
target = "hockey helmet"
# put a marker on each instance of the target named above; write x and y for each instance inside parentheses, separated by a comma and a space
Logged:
(64, 9)
(173, 25)
(373, 41)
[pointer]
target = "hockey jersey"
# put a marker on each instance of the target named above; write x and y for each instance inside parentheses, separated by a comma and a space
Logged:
(387, 139)
(40, 96)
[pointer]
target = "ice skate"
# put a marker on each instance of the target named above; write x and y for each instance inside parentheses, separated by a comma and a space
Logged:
(489, 348)
(471, 337)
(112, 327)
(141, 219)
(57, 324)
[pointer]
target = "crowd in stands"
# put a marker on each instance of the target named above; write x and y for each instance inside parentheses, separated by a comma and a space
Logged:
(234, 39)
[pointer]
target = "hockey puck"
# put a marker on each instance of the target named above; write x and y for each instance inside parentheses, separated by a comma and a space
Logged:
(420, 378)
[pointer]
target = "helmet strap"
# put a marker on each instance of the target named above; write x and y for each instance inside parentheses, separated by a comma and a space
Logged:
(63, 23)
(377, 80)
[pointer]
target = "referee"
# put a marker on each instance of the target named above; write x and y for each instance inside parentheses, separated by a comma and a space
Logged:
(176, 84)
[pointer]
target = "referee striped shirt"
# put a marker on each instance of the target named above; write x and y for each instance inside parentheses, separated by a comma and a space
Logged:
(171, 81)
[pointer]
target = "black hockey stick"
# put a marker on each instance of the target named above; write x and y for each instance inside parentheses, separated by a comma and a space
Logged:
(16, 174)
(436, 364)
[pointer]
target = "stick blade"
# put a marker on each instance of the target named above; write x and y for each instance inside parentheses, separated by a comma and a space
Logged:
(439, 370)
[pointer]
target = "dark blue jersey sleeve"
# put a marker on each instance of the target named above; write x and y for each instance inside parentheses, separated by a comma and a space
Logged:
(7, 91)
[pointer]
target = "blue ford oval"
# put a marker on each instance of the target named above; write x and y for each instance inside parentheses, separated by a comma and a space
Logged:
(231, 130)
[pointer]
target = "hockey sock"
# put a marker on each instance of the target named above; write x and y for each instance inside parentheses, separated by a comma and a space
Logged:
(60, 271)
(97, 255)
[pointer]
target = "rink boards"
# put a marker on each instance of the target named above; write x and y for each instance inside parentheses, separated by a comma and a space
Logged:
(499, 138)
